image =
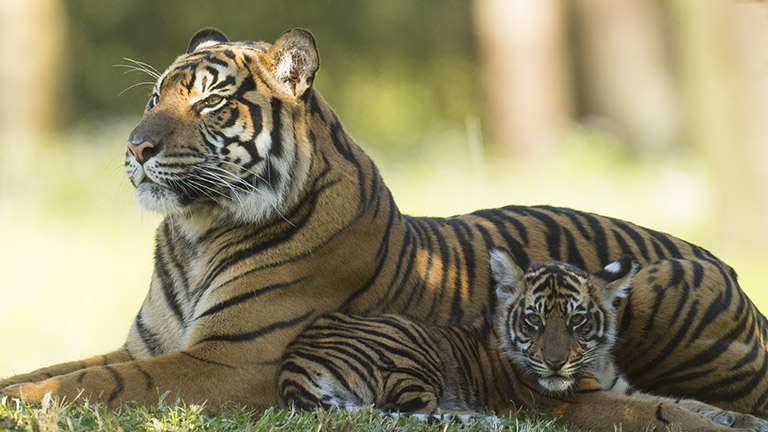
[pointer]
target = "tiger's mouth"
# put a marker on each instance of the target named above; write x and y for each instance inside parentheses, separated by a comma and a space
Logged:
(556, 383)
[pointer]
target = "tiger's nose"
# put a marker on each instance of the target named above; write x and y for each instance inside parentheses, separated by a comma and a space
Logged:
(137, 147)
(555, 363)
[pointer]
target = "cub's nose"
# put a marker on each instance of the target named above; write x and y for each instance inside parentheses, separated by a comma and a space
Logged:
(555, 363)
(142, 148)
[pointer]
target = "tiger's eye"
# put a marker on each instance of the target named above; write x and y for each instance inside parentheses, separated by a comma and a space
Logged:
(153, 100)
(213, 100)
(533, 320)
(577, 320)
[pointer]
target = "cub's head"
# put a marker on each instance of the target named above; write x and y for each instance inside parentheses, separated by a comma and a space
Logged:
(555, 320)
(223, 133)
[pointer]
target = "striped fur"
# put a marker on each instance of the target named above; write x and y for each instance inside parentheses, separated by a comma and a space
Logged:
(554, 329)
(274, 216)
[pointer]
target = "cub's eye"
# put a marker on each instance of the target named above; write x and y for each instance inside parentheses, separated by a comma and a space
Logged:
(153, 100)
(212, 100)
(533, 320)
(577, 320)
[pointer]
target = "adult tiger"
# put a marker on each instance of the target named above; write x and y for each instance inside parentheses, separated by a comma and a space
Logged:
(274, 216)
(547, 346)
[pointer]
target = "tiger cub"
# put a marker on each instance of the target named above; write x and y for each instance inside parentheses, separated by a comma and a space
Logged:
(549, 341)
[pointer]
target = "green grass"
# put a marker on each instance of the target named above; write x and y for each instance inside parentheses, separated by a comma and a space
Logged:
(52, 415)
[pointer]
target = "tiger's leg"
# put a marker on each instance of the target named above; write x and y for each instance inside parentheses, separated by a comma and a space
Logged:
(117, 356)
(718, 415)
(686, 330)
(196, 375)
(591, 408)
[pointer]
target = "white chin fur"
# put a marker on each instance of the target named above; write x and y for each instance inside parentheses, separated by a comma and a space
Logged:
(556, 383)
(155, 198)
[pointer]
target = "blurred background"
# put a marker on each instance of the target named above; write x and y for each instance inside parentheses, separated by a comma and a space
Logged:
(647, 110)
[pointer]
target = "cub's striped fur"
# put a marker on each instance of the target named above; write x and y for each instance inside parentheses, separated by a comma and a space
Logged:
(553, 330)
(274, 217)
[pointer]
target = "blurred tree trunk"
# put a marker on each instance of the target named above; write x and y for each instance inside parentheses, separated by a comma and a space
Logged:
(623, 69)
(32, 46)
(526, 73)
(727, 109)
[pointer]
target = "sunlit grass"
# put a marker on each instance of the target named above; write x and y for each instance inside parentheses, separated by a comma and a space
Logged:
(76, 253)
(53, 415)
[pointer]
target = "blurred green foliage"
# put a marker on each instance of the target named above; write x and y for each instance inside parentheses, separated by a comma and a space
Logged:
(400, 62)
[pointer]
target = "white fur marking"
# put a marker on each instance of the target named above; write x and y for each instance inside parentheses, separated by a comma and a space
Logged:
(613, 267)
(206, 44)
(263, 143)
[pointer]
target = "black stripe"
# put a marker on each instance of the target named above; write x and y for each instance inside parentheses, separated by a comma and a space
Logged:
(292, 228)
(674, 342)
(490, 287)
(119, 384)
(238, 299)
(229, 80)
(381, 255)
(342, 145)
(255, 334)
(467, 251)
(659, 417)
(206, 361)
(636, 237)
(215, 75)
(408, 248)
(600, 242)
(147, 337)
(149, 383)
(520, 227)
(715, 350)
(553, 235)
(511, 244)
(710, 315)
(574, 256)
(173, 258)
(166, 283)
(664, 239)
(276, 135)
(573, 216)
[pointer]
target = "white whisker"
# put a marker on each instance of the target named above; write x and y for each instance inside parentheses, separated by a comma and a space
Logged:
(139, 66)
(136, 85)
(238, 183)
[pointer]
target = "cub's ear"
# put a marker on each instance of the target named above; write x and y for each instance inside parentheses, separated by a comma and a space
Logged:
(616, 278)
(507, 274)
(293, 61)
(205, 38)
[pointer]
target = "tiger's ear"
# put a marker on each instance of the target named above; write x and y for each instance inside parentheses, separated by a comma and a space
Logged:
(507, 274)
(205, 38)
(293, 61)
(616, 278)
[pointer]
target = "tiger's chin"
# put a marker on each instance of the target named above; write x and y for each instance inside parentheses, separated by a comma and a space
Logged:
(153, 197)
(556, 383)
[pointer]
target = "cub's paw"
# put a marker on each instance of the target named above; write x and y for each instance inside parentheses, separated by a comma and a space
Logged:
(738, 420)
(750, 422)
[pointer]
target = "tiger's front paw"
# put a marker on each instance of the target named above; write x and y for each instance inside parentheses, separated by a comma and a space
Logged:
(12, 390)
(32, 391)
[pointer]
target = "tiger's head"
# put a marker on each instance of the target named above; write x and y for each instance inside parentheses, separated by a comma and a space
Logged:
(222, 136)
(556, 321)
